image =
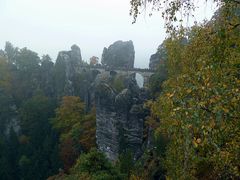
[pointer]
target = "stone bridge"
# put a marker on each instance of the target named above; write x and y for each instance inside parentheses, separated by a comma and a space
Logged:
(145, 73)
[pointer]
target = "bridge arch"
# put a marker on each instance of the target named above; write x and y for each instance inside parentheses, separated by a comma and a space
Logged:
(140, 79)
(145, 73)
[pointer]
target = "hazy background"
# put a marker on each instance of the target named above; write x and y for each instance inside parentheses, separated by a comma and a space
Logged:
(49, 26)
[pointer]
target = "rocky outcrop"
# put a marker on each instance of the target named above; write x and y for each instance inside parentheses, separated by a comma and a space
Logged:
(71, 60)
(75, 54)
(119, 54)
(66, 68)
(9, 119)
(120, 118)
(118, 100)
(159, 58)
(12, 124)
(154, 60)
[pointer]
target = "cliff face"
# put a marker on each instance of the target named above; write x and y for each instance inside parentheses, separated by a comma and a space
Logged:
(118, 99)
(66, 68)
(159, 58)
(154, 60)
(9, 115)
(119, 54)
(120, 118)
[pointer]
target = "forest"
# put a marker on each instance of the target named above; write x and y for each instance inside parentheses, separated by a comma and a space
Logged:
(191, 128)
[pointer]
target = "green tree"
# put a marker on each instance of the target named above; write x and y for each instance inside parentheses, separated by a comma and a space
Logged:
(24, 166)
(5, 76)
(47, 82)
(38, 141)
(6, 100)
(11, 52)
(160, 75)
(94, 165)
(70, 113)
(26, 73)
(9, 156)
(76, 128)
(198, 107)
(27, 61)
(126, 163)
(5, 167)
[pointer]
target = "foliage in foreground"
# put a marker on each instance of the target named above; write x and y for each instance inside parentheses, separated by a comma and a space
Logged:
(76, 128)
(91, 166)
(199, 107)
(174, 12)
(30, 146)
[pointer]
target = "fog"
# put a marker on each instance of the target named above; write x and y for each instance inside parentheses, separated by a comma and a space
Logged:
(49, 26)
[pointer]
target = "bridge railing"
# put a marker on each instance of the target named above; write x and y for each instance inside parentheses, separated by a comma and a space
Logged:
(107, 68)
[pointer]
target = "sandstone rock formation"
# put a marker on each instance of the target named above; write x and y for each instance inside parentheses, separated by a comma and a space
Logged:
(118, 100)
(119, 54)
(66, 68)
(154, 60)
(10, 120)
(120, 118)
(159, 58)
(70, 59)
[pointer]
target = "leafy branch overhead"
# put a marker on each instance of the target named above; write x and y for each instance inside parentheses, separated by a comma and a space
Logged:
(172, 11)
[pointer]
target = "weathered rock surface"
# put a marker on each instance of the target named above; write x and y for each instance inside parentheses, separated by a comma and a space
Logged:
(120, 118)
(154, 60)
(9, 118)
(12, 124)
(71, 60)
(159, 57)
(118, 100)
(119, 54)
(67, 64)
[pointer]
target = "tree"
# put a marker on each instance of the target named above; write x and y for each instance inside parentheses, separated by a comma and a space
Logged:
(5, 76)
(87, 137)
(38, 140)
(11, 52)
(6, 101)
(172, 10)
(5, 165)
(24, 166)
(94, 165)
(198, 109)
(47, 76)
(60, 78)
(126, 162)
(27, 60)
(77, 129)
(70, 113)
(34, 114)
(160, 75)
(26, 75)
(9, 156)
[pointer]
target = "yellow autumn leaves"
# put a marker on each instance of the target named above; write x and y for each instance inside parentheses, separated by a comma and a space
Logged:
(199, 107)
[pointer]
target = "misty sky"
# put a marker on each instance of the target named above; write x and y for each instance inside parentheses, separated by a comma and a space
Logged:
(49, 26)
